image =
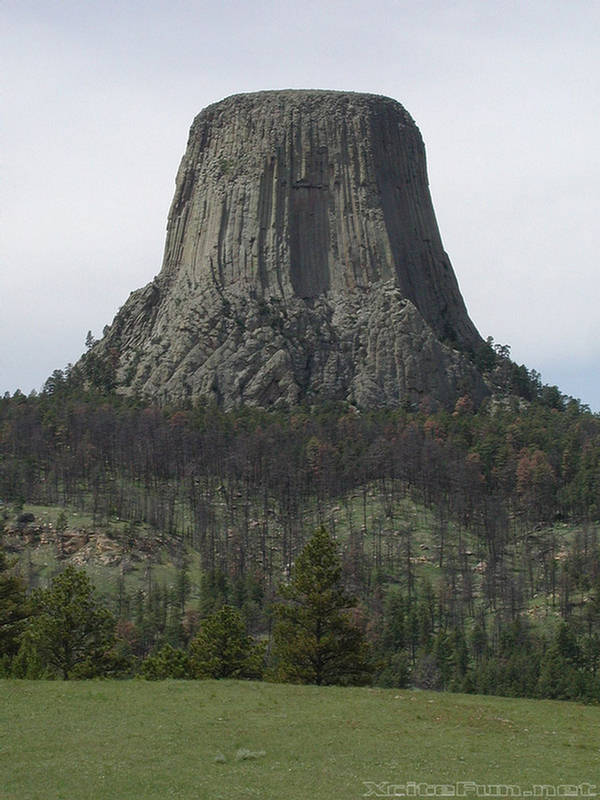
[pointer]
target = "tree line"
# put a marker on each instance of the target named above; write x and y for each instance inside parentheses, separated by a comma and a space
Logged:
(318, 636)
(64, 631)
(245, 488)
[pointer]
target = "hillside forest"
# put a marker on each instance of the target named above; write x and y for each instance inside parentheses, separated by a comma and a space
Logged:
(452, 549)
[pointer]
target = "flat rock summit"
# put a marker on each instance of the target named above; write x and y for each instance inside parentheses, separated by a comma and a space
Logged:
(303, 262)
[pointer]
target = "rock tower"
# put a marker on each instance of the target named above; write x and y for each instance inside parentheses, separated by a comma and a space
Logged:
(303, 262)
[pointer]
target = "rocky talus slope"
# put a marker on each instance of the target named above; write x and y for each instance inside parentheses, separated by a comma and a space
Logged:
(302, 262)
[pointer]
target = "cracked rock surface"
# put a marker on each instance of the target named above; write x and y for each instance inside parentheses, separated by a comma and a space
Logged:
(302, 262)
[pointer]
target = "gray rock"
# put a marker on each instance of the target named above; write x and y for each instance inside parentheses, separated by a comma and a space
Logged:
(302, 262)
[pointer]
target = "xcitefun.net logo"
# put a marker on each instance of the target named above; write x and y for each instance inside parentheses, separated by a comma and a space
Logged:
(474, 789)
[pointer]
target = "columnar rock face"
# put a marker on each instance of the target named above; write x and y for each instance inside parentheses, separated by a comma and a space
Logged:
(302, 262)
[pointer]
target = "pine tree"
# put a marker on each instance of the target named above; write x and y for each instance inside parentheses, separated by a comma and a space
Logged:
(315, 639)
(70, 629)
(223, 649)
(559, 676)
(394, 630)
(168, 662)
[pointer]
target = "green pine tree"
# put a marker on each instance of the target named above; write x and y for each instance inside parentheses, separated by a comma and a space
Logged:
(223, 649)
(315, 639)
(168, 662)
(71, 631)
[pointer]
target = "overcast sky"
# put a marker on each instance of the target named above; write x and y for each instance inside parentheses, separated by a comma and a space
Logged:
(99, 96)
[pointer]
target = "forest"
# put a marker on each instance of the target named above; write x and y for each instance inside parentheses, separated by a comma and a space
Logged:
(462, 544)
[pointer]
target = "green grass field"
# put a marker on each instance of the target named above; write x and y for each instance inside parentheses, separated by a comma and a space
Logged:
(226, 739)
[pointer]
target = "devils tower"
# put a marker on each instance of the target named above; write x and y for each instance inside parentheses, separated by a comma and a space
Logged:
(303, 262)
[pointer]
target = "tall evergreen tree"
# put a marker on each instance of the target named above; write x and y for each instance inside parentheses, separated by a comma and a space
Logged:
(316, 640)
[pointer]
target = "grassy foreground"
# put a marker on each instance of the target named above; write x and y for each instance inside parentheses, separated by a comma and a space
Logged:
(227, 739)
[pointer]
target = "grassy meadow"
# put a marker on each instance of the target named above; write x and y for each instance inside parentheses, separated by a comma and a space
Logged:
(136, 740)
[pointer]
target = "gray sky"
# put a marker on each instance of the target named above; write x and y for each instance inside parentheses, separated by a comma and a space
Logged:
(99, 96)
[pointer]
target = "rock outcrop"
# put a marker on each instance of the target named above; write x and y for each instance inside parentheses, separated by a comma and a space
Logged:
(302, 262)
